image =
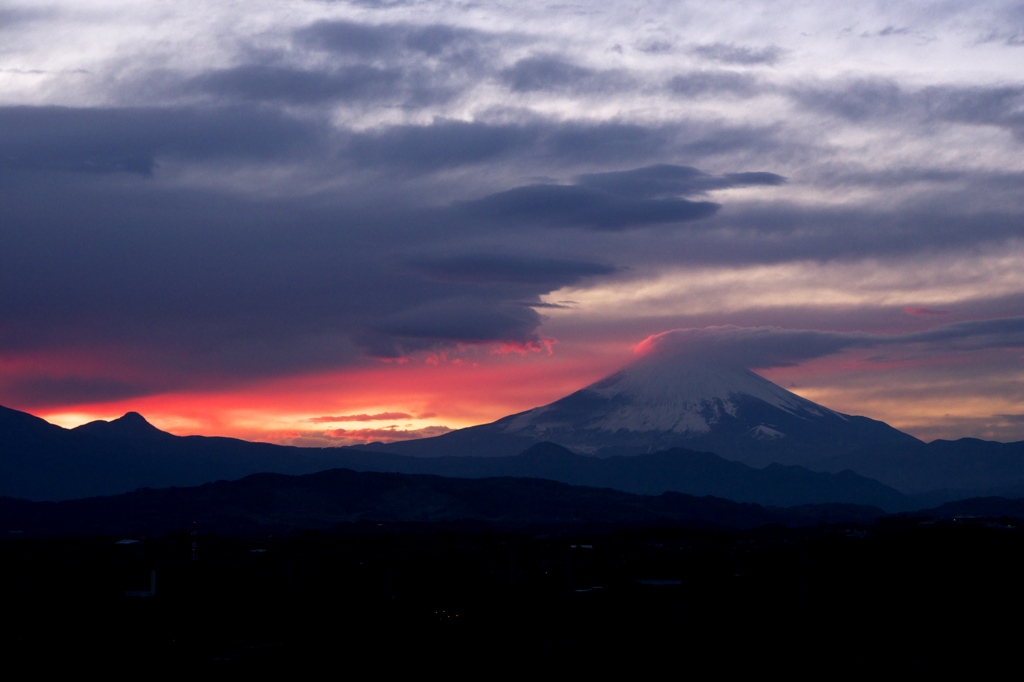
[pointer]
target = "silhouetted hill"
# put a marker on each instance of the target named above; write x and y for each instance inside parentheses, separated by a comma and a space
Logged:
(679, 470)
(275, 503)
(962, 468)
(41, 461)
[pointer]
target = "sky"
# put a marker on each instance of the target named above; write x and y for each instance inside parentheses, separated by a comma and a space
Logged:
(323, 222)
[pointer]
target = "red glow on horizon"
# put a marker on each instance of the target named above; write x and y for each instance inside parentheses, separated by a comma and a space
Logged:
(436, 396)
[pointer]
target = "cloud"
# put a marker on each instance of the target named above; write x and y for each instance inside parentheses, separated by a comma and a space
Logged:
(106, 140)
(349, 37)
(553, 73)
(758, 347)
(764, 347)
(663, 180)
(547, 273)
(357, 82)
(560, 206)
(715, 83)
(387, 435)
(364, 40)
(442, 144)
(446, 144)
(448, 322)
(11, 17)
(922, 311)
(615, 200)
(69, 390)
(728, 53)
(349, 63)
(973, 335)
(871, 99)
(382, 416)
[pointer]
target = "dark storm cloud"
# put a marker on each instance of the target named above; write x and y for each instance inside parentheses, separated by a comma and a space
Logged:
(55, 390)
(131, 139)
(465, 320)
(615, 200)
(728, 53)
(192, 285)
(715, 83)
(868, 100)
(209, 286)
(561, 206)
(201, 287)
(442, 323)
(443, 144)
(553, 73)
(662, 180)
(546, 273)
(763, 347)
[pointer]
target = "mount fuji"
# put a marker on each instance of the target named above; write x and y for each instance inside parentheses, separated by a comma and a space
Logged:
(664, 401)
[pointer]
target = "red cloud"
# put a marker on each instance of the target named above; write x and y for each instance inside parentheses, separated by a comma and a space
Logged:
(523, 347)
(388, 434)
(383, 416)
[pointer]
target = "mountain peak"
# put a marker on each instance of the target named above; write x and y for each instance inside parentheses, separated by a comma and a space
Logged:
(670, 393)
(666, 400)
(666, 387)
(131, 425)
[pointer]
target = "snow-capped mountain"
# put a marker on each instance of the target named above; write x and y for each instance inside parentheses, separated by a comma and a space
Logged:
(655, 395)
(662, 401)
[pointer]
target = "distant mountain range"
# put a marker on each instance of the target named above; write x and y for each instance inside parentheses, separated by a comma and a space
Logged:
(265, 504)
(659, 425)
(275, 504)
(45, 462)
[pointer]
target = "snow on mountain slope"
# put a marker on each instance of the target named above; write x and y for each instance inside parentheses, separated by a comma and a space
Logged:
(664, 394)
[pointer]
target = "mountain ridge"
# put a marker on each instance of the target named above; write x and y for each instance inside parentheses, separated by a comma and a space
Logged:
(59, 464)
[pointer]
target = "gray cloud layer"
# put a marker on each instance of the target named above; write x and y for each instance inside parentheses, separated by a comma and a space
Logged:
(765, 347)
(341, 194)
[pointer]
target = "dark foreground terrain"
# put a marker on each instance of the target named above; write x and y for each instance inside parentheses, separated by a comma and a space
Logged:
(380, 598)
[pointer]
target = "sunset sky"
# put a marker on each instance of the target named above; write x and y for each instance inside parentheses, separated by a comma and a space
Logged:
(322, 223)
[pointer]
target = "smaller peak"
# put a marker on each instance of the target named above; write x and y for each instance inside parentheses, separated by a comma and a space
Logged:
(131, 425)
(546, 449)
